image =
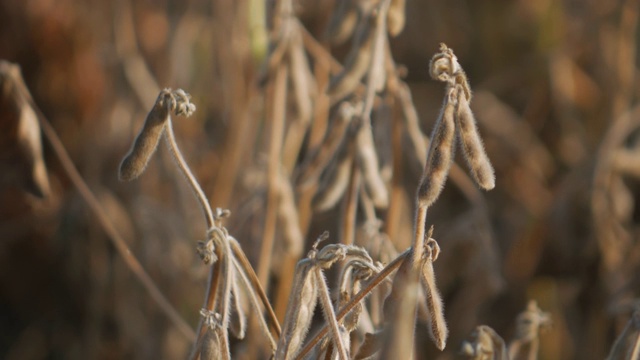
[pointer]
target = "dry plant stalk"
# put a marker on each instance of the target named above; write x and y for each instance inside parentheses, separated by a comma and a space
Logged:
(230, 266)
(233, 286)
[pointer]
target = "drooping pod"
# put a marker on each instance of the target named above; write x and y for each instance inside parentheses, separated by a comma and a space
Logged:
(472, 148)
(437, 324)
(146, 143)
(302, 302)
(440, 153)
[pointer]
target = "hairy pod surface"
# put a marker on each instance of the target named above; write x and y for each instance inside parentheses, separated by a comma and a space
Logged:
(472, 148)
(437, 324)
(302, 302)
(440, 153)
(146, 143)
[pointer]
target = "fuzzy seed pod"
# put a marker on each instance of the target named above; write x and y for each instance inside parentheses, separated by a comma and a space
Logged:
(211, 348)
(238, 318)
(302, 302)
(440, 153)
(472, 147)
(437, 324)
(146, 143)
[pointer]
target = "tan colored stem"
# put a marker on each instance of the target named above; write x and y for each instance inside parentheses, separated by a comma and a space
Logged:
(275, 147)
(114, 236)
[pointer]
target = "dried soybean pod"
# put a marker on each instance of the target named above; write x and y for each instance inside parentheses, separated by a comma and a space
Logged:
(357, 61)
(343, 20)
(211, 348)
(146, 143)
(396, 17)
(288, 216)
(472, 147)
(437, 324)
(369, 165)
(320, 158)
(440, 153)
(302, 302)
(301, 78)
(336, 180)
(238, 317)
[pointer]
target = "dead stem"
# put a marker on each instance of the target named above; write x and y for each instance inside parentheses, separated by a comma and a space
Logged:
(275, 147)
(396, 194)
(250, 290)
(240, 256)
(191, 180)
(213, 282)
(330, 316)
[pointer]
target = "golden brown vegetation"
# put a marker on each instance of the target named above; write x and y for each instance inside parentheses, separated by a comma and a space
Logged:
(307, 122)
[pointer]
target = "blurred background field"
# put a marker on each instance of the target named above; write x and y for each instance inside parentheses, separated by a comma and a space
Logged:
(555, 94)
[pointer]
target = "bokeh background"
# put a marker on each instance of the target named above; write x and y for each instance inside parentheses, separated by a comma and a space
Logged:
(556, 99)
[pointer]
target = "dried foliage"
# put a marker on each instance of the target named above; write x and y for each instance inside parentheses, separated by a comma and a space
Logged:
(312, 117)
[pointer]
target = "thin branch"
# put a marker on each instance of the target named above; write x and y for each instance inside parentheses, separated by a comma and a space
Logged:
(121, 246)
(191, 180)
